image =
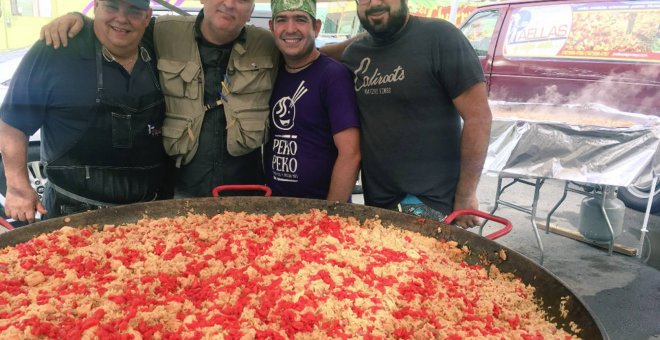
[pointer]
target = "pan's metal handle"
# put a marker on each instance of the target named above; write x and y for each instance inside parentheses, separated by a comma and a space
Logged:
(6, 224)
(216, 191)
(507, 224)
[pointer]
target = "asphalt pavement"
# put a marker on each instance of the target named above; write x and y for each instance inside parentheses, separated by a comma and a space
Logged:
(622, 291)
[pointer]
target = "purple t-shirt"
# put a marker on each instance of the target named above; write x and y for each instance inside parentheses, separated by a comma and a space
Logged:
(307, 109)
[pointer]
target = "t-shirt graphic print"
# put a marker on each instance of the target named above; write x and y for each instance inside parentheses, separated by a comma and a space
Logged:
(285, 145)
(307, 109)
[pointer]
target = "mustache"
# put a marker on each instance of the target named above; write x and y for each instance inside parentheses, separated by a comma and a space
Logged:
(377, 9)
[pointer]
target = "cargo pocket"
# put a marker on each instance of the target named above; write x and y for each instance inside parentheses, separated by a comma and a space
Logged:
(247, 132)
(178, 137)
(122, 130)
(179, 78)
(251, 75)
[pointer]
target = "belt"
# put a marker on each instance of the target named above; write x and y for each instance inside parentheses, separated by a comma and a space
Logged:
(89, 201)
(79, 198)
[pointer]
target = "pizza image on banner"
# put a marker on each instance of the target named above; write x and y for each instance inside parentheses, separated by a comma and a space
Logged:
(605, 31)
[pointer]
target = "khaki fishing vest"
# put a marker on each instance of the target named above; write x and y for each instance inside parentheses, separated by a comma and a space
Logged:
(250, 76)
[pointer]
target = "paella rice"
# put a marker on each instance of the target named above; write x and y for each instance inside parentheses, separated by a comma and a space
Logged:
(249, 276)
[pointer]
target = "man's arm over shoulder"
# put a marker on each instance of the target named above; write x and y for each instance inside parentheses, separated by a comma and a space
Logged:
(336, 50)
(473, 107)
(59, 30)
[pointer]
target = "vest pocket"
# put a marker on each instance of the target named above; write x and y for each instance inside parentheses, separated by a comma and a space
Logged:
(179, 78)
(178, 137)
(246, 130)
(251, 75)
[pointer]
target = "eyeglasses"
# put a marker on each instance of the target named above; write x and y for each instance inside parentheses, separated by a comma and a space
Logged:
(131, 12)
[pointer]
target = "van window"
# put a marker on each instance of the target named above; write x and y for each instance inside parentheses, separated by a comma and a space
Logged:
(479, 30)
(604, 30)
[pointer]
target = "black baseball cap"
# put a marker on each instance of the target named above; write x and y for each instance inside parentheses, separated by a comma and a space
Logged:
(143, 4)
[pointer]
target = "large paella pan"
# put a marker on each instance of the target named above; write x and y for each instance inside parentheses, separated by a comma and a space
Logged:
(559, 303)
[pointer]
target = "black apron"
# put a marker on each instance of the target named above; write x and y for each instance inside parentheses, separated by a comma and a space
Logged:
(118, 159)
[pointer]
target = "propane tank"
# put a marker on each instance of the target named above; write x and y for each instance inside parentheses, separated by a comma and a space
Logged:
(593, 225)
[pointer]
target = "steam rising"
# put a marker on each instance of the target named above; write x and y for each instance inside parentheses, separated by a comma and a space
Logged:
(630, 91)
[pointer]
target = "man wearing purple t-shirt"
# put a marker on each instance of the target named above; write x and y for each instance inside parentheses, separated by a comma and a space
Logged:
(314, 146)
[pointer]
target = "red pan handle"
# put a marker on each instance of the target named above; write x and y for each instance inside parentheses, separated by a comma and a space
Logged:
(216, 191)
(507, 224)
(6, 224)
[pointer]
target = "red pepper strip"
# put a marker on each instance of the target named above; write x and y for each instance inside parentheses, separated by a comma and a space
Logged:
(513, 322)
(27, 263)
(93, 320)
(77, 241)
(496, 310)
(532, 337)
(402, 333)
(268, 334)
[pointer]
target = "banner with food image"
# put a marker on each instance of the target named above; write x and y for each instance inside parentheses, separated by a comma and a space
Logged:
(606, 31)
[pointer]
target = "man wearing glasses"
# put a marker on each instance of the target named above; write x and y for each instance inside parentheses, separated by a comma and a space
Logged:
(217, 75)
(415, 79)
(100, 109)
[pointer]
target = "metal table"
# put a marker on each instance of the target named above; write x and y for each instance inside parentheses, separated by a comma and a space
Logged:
(529, 152)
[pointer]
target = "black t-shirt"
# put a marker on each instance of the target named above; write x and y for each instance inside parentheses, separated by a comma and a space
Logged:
(55, 90)
(411, 129)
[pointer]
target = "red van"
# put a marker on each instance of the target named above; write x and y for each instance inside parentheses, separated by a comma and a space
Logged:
(573, 52)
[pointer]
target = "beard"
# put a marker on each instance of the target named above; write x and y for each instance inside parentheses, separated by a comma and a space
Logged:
(382, 30)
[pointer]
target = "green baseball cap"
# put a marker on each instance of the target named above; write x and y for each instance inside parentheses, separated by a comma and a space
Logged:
(307, 6)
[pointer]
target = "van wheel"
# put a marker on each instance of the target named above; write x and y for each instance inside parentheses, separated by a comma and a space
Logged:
(35, 175)
(636, 197)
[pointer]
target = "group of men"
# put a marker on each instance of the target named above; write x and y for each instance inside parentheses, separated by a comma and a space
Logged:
(195, 101)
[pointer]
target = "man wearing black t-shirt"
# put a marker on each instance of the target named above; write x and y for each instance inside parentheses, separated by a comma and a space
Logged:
(100, 109)
(415, 79)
